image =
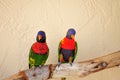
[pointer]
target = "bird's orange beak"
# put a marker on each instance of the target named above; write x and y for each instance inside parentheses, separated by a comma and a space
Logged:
(39, 37)
(73, 36)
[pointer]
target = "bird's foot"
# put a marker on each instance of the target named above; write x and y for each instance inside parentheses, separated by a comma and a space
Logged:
(70, 63)
(34, 68)
(59, 63)
(41, 65)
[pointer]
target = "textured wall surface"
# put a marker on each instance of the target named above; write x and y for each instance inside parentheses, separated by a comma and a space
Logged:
(97, 23)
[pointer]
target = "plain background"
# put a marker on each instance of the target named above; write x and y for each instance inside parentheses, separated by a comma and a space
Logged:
(97, 23)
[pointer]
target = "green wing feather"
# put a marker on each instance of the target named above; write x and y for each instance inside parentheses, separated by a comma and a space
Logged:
(36, 60)
(75, 52)
(59, 51)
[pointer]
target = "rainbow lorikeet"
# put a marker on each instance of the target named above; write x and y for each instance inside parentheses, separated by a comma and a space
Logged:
(39, 51)
(67, 49)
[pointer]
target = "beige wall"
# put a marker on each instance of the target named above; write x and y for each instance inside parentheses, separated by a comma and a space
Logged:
(97, 23)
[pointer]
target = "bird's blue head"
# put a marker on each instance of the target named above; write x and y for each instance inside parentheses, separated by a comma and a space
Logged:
(41, 37)
(70, 32)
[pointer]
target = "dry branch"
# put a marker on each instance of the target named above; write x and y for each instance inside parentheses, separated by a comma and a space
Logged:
(80, 69)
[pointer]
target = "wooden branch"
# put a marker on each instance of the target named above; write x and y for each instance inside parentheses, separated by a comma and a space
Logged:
(80, 69)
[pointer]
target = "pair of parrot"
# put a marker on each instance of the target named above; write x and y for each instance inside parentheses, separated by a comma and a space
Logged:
(67, 49)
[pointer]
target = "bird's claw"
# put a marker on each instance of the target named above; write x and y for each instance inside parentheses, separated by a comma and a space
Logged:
(71, 63)
(59, 63)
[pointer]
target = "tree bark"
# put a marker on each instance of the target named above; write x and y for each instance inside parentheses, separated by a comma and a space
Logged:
(80, 69)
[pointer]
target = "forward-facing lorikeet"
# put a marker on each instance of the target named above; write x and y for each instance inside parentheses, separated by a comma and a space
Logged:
(39, 51)
(67, 49)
